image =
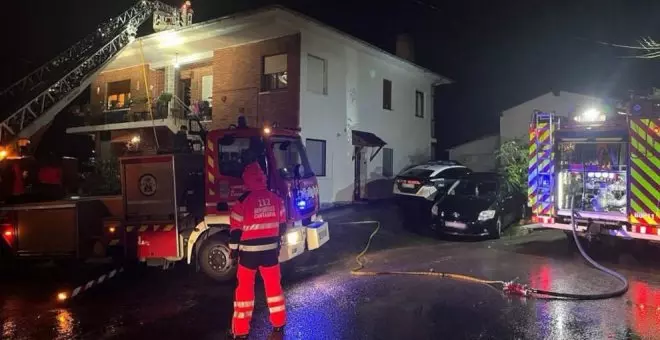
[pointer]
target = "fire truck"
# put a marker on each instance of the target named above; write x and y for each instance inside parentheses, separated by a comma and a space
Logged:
(174, 205)
(603, 166)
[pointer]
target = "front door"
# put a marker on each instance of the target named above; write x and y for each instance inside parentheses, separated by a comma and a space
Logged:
(360, 185)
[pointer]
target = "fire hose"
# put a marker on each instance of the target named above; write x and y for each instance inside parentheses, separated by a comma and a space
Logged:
(509, 287)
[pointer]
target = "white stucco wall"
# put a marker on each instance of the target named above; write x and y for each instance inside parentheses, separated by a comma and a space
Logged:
(478, 155)
(514, 122)
(354, 101)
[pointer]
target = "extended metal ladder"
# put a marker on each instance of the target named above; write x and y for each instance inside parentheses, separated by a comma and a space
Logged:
(541, 163)
(32, 102)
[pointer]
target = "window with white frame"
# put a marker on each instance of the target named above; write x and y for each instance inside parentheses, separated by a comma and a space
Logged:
(388, 162)
(317, 75)
(316, 155)
(275, 73)
(419, 104)
(207, 89)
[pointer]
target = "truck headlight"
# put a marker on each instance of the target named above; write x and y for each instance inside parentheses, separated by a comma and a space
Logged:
(293, 238)
(486, 215)
(434, 210)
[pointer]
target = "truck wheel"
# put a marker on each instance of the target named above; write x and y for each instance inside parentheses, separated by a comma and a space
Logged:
(214, 259)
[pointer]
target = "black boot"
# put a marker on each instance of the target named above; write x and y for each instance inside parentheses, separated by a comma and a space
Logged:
(231, 335)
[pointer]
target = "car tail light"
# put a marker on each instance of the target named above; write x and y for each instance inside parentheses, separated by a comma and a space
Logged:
(643, 229)
(8, 233)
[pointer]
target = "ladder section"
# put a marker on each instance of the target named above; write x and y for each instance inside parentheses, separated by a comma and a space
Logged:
(37, 98)
(541, 164)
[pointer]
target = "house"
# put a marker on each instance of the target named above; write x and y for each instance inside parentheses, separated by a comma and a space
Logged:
(514, 124)
(364, 113)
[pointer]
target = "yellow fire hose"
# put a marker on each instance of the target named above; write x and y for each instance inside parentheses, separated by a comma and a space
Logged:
(360, 272)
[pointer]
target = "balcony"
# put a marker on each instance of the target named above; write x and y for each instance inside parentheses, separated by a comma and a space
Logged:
(169, 112)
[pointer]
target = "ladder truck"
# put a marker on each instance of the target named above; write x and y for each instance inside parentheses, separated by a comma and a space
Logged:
(174, 206)
(605, 167)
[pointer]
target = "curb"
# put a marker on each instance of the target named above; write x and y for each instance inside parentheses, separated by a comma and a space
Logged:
(62, 296)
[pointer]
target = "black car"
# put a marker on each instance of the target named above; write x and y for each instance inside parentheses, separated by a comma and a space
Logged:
(479, 204)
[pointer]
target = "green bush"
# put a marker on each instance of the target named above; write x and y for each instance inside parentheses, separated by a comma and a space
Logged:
(513, 161)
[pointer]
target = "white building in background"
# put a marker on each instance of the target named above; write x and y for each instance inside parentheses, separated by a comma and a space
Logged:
(353, 96)
(514, 122)
(479, 154)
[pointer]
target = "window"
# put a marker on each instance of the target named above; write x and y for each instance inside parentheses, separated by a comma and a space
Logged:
(274, 77)
(289, 153)
(316, 155)
(207, 89)
(118, 94)
(452, 173)
(419, 104)
(317, 75)
(232, 154)
(388, 162)
(387, 94)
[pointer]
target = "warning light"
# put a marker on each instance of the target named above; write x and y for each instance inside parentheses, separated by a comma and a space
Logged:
(112, 229)
(62, 296)
(267, 130)
(9, 233)
(3, 154)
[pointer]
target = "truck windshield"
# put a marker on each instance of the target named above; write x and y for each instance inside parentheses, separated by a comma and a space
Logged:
(482, 188)
(593, 175)
(288, 153)
(231, 157)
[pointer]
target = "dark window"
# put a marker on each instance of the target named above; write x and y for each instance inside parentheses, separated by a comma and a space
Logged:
(388, 162)
(419, 104)
(387, 94)
(233, 157)
(290, 152)
(419, 173)
(316, 155)
(275, 73)
(453, 173)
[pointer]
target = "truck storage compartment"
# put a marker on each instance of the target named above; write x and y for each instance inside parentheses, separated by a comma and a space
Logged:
(61, 228)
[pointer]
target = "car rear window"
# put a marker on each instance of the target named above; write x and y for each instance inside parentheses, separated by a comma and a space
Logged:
(420, 173)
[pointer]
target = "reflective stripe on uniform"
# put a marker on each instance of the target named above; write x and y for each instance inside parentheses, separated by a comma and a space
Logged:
(275, 299)
(237, 216)
(261, 226)
(243, 304)
(262, 247)
(242, 315)
(277, 309)
(233, 246)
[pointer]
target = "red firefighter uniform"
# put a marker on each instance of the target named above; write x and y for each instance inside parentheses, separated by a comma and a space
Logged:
(257, 224)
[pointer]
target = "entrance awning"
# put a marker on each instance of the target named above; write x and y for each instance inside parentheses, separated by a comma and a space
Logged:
(368, 139)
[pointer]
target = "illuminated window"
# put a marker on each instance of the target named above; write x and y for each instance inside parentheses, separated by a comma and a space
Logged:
(118, 94)
(275, 73)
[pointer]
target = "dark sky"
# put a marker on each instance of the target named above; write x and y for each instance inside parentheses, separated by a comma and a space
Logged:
(500, 53)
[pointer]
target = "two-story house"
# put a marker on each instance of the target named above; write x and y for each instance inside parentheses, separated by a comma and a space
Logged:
(364, 113)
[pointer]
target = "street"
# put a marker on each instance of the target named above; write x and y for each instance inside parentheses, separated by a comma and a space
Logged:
(325, 301)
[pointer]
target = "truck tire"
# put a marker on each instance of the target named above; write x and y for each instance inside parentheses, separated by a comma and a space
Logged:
(213, 258)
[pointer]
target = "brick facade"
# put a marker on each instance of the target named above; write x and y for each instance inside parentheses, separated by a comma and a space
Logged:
(195, 72)
(237, 84)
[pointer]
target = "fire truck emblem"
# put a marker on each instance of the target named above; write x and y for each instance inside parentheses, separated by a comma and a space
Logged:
(147, 184)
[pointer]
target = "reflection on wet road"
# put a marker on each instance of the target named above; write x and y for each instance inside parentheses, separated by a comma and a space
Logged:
(326, 302)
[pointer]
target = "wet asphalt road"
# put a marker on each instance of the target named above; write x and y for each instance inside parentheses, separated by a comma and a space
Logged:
(326, 302)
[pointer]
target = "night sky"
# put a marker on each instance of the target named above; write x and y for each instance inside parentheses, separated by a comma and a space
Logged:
(499, 53)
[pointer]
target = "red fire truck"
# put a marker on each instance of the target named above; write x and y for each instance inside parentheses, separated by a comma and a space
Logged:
(176, 206)
(604, 166)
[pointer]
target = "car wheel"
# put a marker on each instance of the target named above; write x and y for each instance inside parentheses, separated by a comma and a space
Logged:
(214, 260)
(497, 230)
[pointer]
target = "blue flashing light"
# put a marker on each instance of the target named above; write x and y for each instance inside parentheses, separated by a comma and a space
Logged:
(301, 204)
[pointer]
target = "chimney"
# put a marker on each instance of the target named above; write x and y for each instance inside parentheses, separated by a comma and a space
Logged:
(404, 47)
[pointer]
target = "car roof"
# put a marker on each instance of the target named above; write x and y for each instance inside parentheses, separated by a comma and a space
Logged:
(436, 168)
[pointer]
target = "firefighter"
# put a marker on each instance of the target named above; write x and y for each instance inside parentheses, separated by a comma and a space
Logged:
(258, 221)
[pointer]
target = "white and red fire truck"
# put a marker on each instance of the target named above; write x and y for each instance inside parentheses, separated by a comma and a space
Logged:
(606, 167)
(173, 206)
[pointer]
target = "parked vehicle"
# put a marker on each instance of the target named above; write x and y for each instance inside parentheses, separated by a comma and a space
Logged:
(479, 204)
(417, 188)
(603, 166)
